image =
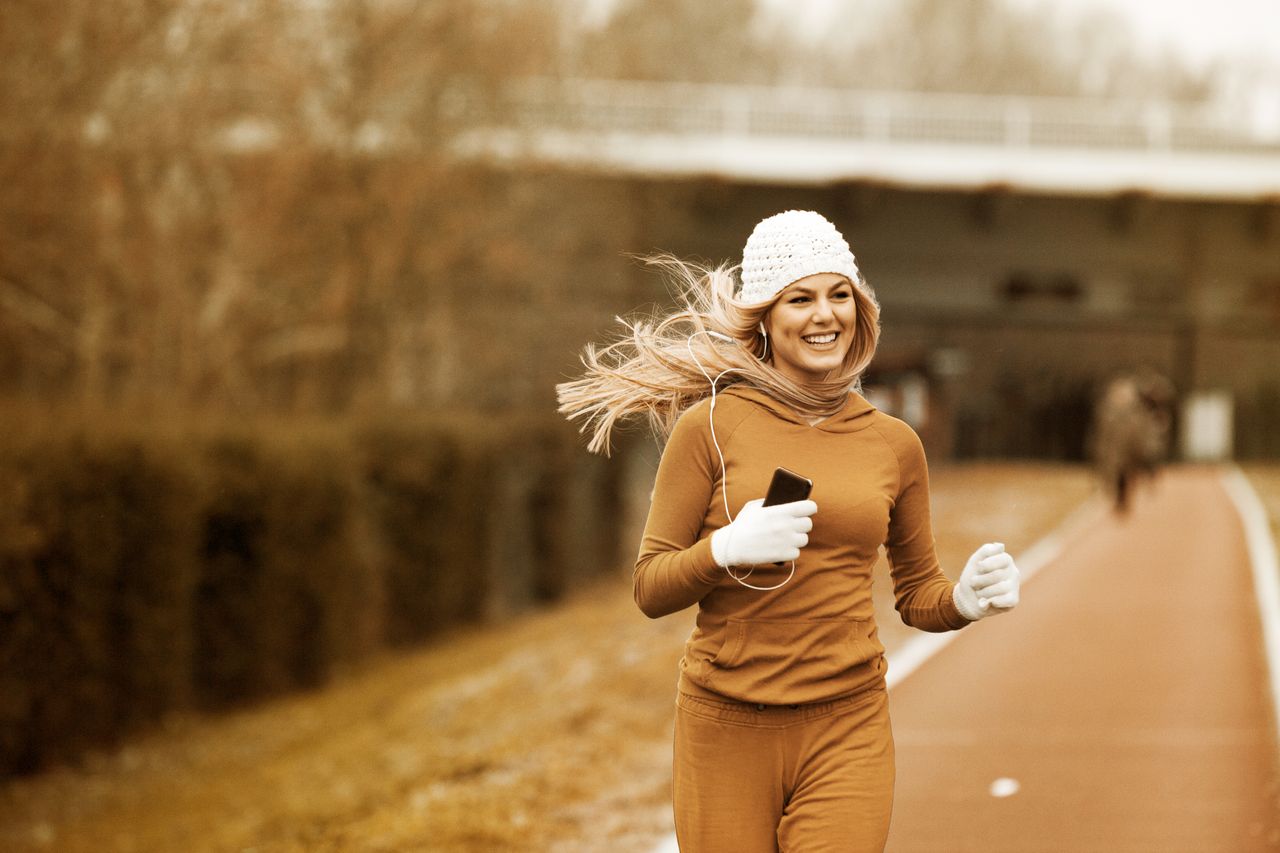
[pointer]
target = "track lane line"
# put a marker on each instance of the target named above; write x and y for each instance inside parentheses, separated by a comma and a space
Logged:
(1266, 573)
(912, 654)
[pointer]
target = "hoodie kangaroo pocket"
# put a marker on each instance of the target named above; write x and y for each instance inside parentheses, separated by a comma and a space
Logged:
(803, 654)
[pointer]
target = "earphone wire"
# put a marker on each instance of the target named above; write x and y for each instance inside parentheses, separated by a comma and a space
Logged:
(724, 472)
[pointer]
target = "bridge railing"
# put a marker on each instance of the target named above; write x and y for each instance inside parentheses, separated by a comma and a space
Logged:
(635, 107)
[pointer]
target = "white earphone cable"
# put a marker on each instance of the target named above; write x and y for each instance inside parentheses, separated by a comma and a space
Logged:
(724, 473)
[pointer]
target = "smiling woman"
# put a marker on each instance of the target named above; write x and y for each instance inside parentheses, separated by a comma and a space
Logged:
(782, 736)
(663, 366)
(812, 326)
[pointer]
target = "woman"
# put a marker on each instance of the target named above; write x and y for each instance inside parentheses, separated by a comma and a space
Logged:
(782, 738)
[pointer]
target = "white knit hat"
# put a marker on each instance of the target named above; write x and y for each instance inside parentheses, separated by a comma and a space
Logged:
(787, 247)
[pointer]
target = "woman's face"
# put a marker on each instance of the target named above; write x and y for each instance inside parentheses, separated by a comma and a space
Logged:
(811, 326)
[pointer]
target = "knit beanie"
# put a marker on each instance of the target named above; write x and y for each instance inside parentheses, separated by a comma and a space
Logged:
(787, 247)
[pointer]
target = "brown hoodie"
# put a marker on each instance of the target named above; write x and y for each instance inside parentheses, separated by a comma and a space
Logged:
(814, 638)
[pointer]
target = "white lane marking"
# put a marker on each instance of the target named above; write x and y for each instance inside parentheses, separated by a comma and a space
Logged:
(1005, 787)
(912, 654)
(668, 846)
(1266, 572)
(919, 649)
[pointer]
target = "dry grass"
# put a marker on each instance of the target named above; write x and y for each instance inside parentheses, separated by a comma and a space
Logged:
(551, 732)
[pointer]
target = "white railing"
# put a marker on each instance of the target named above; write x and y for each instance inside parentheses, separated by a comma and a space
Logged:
(632, 107)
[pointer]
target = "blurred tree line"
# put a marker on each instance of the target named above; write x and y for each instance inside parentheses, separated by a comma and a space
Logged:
(239, 203)
(975, 46)
(200, 201)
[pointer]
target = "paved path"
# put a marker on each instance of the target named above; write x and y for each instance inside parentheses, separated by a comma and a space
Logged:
(1126, 698)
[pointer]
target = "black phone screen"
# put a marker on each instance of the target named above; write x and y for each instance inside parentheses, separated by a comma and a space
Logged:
(787, 486)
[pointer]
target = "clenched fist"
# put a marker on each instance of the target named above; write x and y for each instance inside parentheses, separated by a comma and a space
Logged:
(988, 585)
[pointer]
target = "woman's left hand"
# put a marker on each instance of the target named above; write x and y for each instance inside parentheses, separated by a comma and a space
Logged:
(989, 584)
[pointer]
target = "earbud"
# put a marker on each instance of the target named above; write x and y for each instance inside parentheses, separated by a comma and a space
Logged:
(762, 329)
(718, 335)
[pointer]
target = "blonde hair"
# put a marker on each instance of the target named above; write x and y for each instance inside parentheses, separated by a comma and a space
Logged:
(651, 369)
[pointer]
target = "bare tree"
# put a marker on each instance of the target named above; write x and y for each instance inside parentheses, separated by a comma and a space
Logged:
(209, 201)
(684, 40)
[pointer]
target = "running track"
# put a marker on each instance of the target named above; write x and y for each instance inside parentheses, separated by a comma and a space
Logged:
(1125, 702)
(1127, 696)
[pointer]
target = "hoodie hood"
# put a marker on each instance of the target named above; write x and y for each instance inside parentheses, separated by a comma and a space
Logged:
(857, 412)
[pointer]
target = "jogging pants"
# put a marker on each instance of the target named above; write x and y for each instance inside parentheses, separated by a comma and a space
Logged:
(790, 778)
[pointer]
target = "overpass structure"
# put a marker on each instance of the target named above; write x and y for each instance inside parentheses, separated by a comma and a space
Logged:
(1023, 249)
(937, 141)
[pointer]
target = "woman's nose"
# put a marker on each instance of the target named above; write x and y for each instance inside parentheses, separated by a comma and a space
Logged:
(822, 309)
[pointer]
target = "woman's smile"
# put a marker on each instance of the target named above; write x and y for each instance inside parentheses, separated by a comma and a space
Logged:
(810, 327)
(823, 341)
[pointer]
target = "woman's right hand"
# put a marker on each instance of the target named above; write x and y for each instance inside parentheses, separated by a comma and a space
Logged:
(763, 534)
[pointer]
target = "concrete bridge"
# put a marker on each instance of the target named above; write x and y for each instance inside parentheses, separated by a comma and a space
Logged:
(938, 141)
(1023, 249)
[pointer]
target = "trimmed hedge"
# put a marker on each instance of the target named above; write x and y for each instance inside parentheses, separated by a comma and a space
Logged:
(283, 597)
(147, 571)
(426, 492)
(95, 584)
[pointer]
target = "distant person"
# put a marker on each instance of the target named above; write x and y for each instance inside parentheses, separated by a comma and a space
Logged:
(782, 736)
(1131, 433)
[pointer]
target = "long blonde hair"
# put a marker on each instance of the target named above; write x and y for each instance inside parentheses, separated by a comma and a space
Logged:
(653, 369)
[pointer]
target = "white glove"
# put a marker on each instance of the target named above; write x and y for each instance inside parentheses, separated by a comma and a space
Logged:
(763, 534)
(988, 585)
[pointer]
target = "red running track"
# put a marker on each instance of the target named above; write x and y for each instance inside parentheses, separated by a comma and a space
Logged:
(1126, 696)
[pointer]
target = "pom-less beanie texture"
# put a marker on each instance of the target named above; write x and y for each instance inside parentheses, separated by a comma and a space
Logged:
(787, 247)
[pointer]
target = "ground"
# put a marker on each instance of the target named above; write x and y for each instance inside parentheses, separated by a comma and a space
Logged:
(547, 732)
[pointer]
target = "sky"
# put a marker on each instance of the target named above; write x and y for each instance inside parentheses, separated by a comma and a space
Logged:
(1201, 31)
(1232, 30)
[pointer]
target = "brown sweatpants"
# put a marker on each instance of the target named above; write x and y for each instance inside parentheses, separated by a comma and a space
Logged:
(799, 778)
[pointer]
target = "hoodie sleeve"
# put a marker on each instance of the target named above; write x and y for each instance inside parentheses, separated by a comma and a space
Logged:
(675, 568)
(922, 592)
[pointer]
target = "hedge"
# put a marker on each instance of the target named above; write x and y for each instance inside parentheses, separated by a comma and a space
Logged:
(96, 579)
(145, 570)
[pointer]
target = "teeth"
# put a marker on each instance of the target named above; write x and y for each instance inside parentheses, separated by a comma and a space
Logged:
(821, 339)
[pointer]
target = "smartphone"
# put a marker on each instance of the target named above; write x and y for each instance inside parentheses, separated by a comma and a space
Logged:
(787, 486)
